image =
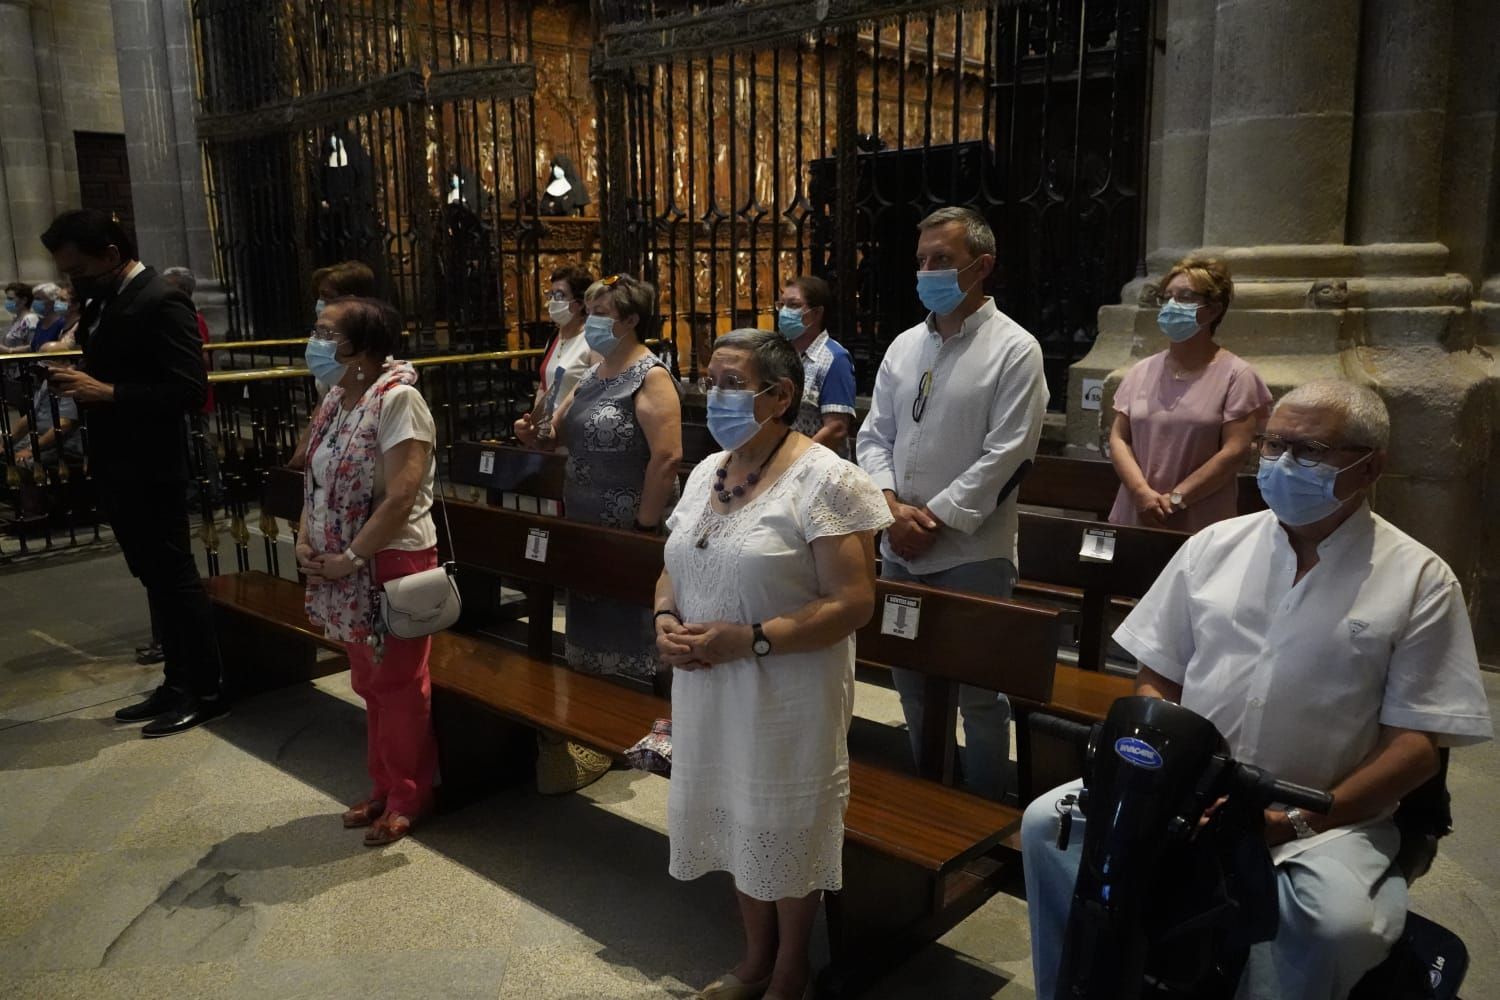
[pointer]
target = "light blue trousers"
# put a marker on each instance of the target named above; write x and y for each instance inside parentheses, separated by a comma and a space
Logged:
(1343, 906)
(985, 714)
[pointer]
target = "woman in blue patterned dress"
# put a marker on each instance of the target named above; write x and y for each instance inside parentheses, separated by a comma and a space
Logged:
(622, 426)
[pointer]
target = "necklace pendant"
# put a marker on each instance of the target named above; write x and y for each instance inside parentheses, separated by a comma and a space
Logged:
(703, 539)
(724, 498)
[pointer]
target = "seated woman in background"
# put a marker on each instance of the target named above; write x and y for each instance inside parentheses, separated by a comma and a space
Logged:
(51, 307)
(622, 427)
(1185, 417)
(366, 519)
(770, 569)
(23, 324)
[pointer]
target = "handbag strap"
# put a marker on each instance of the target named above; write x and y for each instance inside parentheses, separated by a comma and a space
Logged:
(443, 499)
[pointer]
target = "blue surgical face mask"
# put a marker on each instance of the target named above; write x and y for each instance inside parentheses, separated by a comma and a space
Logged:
(11, 306)
(318, 308)
(789, 322)
(599, 331)
(731, 416)
(323, 362)
(1178, 320)
(1299, 494)
(940, 291)
(59, 307)
(41, 307)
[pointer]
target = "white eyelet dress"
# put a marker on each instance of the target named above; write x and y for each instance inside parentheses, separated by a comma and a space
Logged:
(760, 758)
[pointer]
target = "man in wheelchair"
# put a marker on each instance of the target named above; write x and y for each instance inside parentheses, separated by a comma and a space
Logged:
(1329, 649)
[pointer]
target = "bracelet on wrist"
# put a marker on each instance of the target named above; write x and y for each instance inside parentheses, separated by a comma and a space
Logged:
(665, 612)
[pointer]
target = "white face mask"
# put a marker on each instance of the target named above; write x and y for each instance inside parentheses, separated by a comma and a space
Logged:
(561, 312)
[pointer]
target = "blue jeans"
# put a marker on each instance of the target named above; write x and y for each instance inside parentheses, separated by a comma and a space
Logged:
(985, 714)
(1343, 906)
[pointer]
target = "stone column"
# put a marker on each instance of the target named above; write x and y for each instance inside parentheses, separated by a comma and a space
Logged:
(1282, 122)
(1186, 117)
(1398, 136)
(23, 146)
(1348, 151)
(158, 96)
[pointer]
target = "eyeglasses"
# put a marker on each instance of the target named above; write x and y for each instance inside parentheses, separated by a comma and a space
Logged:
(924, 389)
(1305, 453)
(615, 279)
(729, 382)
(324, 333)
(556, 296)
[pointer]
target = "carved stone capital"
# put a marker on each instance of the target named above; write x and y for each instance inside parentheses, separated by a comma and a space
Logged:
(1328, 293)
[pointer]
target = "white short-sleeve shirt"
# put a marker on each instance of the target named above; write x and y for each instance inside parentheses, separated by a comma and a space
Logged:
(404, 416)
(1300, 678)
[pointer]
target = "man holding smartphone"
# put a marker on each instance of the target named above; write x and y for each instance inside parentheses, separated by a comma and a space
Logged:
(142, 372)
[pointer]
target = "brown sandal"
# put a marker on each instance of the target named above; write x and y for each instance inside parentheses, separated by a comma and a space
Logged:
(387, 830)
(363, 814)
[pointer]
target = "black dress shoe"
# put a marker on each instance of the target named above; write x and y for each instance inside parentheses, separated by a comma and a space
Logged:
(147, 655)
(192, 713)
(161, 701)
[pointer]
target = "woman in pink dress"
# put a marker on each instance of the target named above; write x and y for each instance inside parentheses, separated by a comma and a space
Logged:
(1185, 418)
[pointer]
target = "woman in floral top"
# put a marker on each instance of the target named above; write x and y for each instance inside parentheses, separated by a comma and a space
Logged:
(366, 519)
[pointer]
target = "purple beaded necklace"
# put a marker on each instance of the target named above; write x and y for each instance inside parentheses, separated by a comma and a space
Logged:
(728, 495)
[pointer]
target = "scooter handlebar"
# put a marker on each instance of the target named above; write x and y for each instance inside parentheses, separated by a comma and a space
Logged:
(1274, 790)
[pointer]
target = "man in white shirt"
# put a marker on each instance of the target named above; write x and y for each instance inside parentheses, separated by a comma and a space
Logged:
(955, 417)
(1328, 648)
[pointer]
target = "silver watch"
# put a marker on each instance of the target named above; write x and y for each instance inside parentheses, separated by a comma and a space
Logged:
(1299, 822)
(354, 557)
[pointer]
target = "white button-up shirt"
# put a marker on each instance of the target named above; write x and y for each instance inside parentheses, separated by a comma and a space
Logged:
(1300, 678)
(982, 419)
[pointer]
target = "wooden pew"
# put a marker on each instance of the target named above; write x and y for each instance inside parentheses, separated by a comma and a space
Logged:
(1089, 486)
(917, 854)
(1049, 551)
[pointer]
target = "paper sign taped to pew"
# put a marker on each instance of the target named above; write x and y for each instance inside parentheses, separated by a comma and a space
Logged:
(1098, 545)
(486, 463)
(536, 545)
(901, 616)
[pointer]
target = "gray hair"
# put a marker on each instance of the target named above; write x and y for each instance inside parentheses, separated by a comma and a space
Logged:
(977, 233)
(184, 278)
(775, 359)
(1367, 424)
(47, 290)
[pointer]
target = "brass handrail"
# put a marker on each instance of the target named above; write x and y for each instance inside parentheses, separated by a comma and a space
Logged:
(298, 371)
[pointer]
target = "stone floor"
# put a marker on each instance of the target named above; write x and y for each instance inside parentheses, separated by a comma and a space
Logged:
(212, 864)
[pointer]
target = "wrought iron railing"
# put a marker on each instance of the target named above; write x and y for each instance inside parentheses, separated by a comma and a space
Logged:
(252, 427)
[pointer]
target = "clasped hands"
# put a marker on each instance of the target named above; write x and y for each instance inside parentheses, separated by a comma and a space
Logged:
(700, 646)
(322, 568)
(913, 531)
(1153, 507)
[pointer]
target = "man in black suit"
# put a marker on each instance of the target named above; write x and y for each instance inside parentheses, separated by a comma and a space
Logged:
(142, 373)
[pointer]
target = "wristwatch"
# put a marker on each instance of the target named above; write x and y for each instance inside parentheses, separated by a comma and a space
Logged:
(1299, 822)
(1178, 503)
(354, 557)
(759, 644)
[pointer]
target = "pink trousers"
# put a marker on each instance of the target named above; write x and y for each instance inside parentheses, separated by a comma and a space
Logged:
(402, 754)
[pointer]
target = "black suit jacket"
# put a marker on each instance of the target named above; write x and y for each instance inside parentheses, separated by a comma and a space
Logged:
(143, 341)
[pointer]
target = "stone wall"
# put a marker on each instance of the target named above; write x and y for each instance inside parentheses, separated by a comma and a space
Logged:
(85, 44)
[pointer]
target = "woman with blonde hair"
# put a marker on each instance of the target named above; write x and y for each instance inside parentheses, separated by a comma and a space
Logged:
(1185, 417)
(622, 428)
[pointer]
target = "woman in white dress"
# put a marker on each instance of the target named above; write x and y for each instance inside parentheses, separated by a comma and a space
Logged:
(770, 569)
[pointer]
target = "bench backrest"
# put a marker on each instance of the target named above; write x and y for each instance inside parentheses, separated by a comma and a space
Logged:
(1049, 551)
(955, 638)
(1089, 485)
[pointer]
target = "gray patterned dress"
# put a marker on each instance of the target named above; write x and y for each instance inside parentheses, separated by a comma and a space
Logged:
(607, 458)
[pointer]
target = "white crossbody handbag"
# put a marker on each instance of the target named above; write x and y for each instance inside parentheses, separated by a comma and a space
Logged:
(427, 602)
